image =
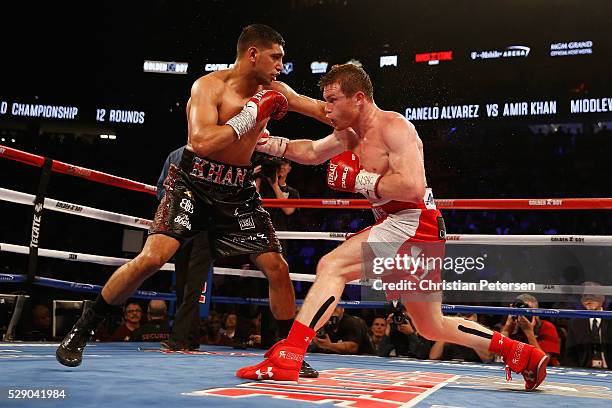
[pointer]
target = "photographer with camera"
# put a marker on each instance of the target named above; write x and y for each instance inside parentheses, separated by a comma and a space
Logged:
(271, 182)
(539, 333)
(403, 339)
(343, 334)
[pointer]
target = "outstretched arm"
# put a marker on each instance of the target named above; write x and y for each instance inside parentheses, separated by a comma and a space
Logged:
(302, 151)
(301, 103)
(314, 151)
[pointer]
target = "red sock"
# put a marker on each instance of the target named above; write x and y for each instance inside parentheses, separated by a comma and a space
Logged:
(300, 335)
(499, 343)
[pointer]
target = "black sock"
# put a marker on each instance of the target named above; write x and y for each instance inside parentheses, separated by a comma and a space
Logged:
(283, 327)
(101, 308)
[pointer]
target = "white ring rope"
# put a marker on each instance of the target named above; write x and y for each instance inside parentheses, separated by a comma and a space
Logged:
(481, 239)
(76, 209)
(73, 256)
(301, 277)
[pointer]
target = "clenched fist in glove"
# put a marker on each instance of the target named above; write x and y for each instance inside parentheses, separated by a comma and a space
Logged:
(272, 145)
(263, 105)
(344, 174)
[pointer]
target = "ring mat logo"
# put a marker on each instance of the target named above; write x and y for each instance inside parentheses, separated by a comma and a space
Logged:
(347, 387)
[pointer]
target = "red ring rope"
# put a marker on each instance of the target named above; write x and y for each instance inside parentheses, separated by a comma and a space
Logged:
(457, 204)
(64, 168)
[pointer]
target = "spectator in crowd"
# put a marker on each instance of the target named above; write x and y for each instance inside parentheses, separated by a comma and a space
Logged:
(132, 314)
(535, 331)
(41, 325)
(228, 331)
(589, 341)
(378, 330)
(448, 351)
(255, 334)
(211, 329)
(272, 183)
(248, 327)
(403, 339)
(343, 334)
(157, 327)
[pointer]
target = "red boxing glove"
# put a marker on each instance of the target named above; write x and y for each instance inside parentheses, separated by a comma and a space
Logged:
(270, 104)
(263, 105)
(344, 174)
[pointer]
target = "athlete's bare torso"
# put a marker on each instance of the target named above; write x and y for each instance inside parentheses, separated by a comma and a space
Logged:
(372, 151)
(230, 103)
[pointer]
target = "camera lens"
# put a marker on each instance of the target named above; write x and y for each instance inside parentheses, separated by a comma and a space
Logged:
(399, 318)
(520, 304)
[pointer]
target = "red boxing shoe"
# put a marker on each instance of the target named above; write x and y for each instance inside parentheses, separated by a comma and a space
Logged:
(282, 363)
(284, 359)
(521, 358)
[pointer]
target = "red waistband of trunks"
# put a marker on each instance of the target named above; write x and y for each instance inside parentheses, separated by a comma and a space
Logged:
(393, 206)
(224, 174)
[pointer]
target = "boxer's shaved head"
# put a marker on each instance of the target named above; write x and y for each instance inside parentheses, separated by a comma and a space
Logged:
(259, 35)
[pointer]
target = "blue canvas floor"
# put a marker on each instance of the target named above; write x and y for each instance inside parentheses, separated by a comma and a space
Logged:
(119, 375)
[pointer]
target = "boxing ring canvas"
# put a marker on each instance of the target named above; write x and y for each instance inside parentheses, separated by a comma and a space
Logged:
(137, 375)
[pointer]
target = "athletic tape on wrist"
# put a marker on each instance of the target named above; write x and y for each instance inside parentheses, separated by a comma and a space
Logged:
(242, 122)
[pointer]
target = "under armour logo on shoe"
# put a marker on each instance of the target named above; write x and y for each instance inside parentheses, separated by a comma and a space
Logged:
(268, 373)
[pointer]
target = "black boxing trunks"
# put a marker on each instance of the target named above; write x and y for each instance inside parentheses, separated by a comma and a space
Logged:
(204, 195)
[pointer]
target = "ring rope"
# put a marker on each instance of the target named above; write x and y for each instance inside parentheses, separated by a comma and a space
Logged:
(81, 287)
(457, 204)
(298, 277)
(73, 256)
(76, 209)
(482, 239)
(78, 171)
(451, 309)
